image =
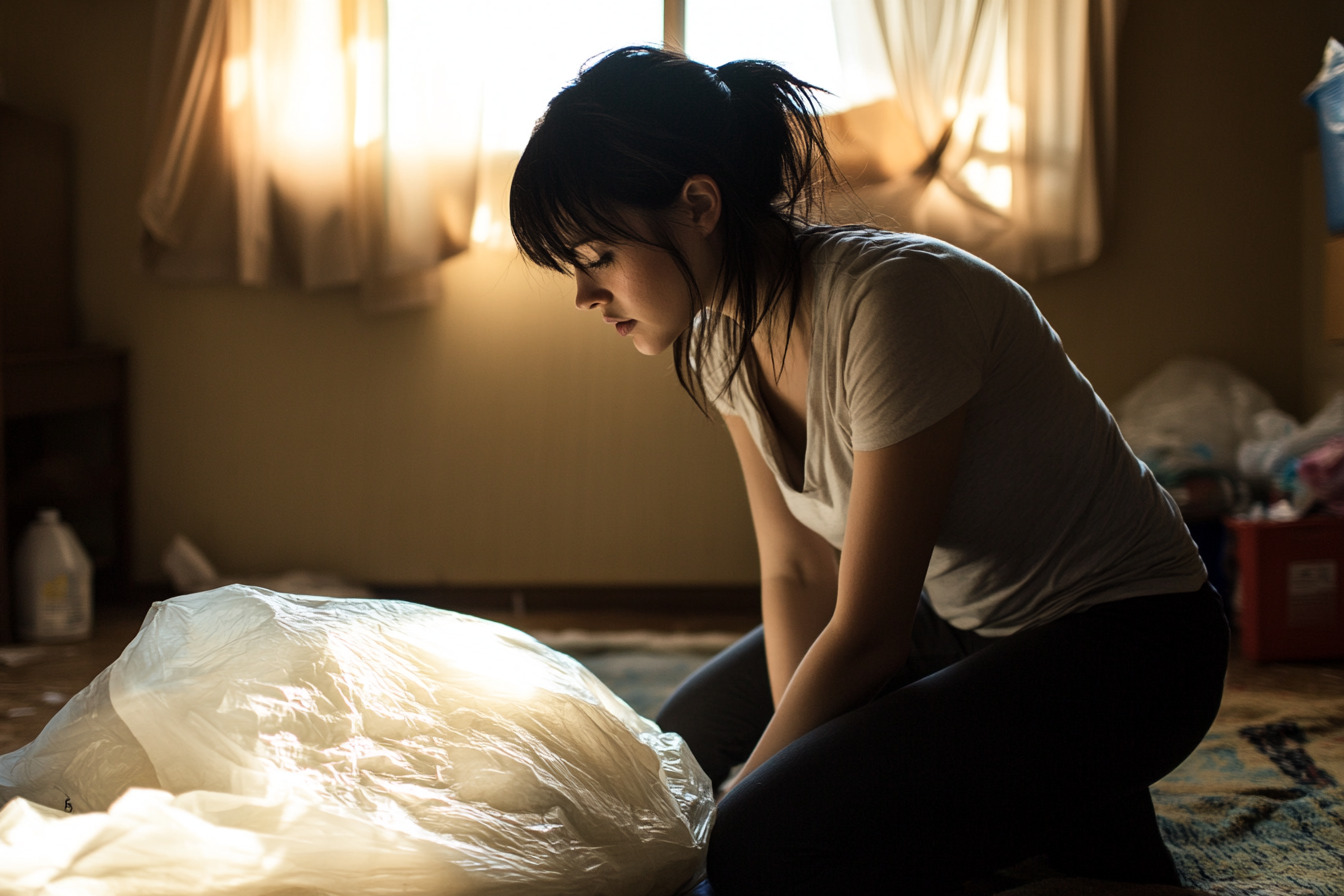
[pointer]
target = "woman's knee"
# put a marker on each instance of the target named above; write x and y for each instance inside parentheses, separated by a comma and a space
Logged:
(749, 853)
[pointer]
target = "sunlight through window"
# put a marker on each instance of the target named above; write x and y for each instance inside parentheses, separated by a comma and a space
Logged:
(529, 65)
(797, 34)
(369, 113)
(312, 115)
(987, 123)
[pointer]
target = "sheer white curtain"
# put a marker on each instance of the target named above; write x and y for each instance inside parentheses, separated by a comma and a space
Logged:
(315, 142)
(353, 142)
(361, 142)
(983, 122)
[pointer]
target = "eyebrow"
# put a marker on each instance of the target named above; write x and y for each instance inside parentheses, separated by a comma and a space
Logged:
(589, 245)
(587, 241)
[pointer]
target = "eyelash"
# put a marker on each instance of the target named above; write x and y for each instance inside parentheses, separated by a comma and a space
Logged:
(602, 261)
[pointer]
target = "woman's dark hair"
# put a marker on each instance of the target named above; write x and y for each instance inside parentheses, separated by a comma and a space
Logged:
(629, 131)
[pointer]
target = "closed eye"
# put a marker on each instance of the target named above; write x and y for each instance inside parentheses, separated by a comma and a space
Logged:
(602, 261)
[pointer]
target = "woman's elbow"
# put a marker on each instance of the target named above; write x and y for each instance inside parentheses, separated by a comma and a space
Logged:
(871, 651)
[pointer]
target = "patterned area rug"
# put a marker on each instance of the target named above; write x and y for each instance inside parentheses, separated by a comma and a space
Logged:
(644, 680)
(1258, 810)
(642, 667)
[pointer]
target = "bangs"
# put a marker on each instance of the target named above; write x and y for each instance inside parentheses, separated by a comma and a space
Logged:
(554, 208)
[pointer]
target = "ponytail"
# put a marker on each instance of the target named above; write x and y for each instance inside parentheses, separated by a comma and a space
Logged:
(774, 117)
(629, 131)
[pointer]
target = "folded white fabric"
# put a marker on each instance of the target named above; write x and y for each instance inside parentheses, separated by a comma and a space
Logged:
(251, 742)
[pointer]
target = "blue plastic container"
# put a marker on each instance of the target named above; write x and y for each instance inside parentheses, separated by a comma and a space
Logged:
(1326, 96)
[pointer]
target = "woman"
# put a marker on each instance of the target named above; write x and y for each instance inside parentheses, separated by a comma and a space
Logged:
(1017, 637)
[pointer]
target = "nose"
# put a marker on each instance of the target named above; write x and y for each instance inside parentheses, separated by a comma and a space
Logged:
(588, 295)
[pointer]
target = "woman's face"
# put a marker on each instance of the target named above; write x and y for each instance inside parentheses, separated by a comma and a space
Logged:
(638, 288)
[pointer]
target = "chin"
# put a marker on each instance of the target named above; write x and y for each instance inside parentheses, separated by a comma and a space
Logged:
(651, 347)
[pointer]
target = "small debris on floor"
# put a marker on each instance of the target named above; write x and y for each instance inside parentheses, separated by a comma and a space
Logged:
(22, 654)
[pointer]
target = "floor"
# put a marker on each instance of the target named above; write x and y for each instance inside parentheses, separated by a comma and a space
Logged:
(36, 680)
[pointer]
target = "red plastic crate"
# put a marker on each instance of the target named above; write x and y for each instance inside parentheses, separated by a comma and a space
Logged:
(1291, 574)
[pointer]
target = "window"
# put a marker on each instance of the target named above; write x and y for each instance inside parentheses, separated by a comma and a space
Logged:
(797, 34)
(342, 142)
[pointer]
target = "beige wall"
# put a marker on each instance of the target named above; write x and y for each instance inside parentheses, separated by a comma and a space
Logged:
(503, 438)
(1204, 252)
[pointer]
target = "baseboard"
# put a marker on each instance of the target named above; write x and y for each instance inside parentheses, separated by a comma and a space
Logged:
(702, 599)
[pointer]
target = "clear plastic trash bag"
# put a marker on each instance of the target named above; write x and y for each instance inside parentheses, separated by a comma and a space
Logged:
(274, 743)
(1191, 414)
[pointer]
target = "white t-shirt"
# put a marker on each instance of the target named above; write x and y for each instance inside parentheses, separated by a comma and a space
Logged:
(1049, 510)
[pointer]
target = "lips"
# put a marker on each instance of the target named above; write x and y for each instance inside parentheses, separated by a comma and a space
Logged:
(623, 325)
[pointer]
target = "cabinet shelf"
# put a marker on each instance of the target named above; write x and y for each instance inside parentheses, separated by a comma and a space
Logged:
(53, 382)
(63, 435)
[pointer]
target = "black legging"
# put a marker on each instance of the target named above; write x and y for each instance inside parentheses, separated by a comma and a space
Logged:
(982, 752)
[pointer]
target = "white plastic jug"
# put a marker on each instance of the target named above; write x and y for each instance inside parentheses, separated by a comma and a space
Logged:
(53, 579)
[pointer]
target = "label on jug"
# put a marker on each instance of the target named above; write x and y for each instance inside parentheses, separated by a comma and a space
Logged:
(60, 609)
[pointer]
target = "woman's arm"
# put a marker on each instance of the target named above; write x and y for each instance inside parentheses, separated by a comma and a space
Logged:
(895, 513)
(798, 567)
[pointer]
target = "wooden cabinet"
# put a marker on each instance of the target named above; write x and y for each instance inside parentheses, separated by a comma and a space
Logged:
(63, 427)
(36, 268)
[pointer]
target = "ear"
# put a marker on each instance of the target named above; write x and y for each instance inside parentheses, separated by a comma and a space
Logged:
(701, 198)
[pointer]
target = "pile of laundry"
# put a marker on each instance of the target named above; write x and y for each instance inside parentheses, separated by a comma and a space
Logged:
(1197, 420)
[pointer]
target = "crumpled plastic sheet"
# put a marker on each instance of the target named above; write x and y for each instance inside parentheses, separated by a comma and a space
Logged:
(250, 742)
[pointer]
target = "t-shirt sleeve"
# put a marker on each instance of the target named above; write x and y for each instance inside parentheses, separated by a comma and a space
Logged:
(724, 404)
(714, 367)
(915, 350)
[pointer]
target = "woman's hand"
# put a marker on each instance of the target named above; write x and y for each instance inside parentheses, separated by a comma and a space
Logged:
(727, 786)
(896, 508)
